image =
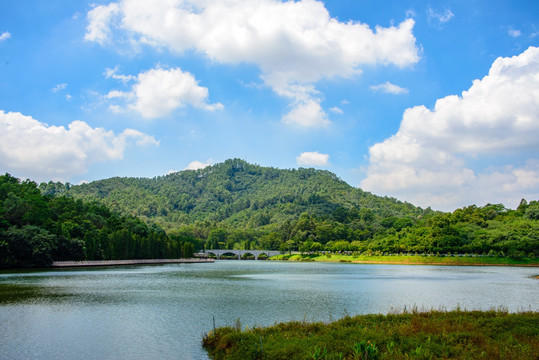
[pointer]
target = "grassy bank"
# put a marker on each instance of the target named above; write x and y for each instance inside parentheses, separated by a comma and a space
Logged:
(416, 335)
(411, 259)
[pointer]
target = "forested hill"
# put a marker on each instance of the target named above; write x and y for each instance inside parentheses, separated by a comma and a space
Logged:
(236, 205)
(234, 193)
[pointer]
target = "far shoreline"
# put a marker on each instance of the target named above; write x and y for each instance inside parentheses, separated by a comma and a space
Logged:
(410, 260)
(442, 264)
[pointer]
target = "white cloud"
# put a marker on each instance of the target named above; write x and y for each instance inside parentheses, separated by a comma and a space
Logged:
(514, 33)
(410, 13)
(196, 165)
(430, 160)
(141, 138)
(307, 114)
(294, 43)
(117, 94)
(336, 110)
(313, 158)
(59, 87)
(99, 19)
(41, 152)
(389, 88)
(5, 35)
(158, 92)
(437, 18)
(113, 73)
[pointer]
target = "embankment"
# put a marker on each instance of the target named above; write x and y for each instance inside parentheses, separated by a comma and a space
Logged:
(127, 262)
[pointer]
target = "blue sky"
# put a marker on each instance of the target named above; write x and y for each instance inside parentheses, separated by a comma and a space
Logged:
(434, 103)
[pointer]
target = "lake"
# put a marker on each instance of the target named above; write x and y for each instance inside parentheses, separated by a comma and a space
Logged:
(162, 311)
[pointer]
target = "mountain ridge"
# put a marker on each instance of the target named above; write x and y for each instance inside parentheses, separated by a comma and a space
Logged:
(235, 193)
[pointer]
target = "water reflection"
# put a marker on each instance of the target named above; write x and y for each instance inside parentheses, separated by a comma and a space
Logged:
(162, 311)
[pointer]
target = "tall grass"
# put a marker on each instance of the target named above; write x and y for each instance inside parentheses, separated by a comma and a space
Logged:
(414, 334)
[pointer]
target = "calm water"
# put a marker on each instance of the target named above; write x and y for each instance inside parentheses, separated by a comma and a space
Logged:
(162, 312)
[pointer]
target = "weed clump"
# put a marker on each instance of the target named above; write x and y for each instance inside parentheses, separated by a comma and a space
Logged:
(433, 334)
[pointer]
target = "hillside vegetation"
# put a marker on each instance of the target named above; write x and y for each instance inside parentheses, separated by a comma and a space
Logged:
(239, 205)
(234, 193)
(236, 205)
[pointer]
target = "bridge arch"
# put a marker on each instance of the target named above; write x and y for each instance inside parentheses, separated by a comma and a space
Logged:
(248, 254)
(239, 253)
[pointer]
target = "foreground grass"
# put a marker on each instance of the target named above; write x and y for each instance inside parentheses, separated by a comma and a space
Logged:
(412, 259)
(417, 335)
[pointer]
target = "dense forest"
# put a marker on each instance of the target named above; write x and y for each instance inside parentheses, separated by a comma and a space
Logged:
(36, 229)
(234, 193)
(239, 205)
(236, 205)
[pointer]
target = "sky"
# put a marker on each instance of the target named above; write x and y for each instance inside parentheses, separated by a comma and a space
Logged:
(433, 103)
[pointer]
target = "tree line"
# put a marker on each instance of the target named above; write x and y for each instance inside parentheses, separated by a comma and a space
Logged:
(489, 230)
(36, 229)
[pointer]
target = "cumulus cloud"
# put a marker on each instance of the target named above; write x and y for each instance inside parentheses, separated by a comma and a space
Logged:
(158, 92)
(313, 159)
(195, 165)
(293, 43)
(41, 152)
(5, 35)
(432, 159)
(99, 20)
(307, 114)
(389, 88)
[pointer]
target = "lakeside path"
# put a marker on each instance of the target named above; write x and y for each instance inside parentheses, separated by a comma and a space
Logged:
(127, 262)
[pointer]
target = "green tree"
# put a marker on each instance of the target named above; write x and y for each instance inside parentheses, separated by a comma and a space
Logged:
(188, 250)
(215, 238)
(29, 246)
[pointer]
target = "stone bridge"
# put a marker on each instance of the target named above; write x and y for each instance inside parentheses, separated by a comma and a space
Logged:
(240, 253)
